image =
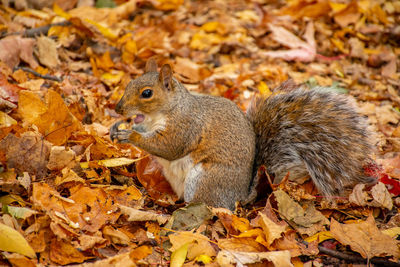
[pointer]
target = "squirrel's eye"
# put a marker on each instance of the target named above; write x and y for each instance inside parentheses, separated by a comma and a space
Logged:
(147, 93)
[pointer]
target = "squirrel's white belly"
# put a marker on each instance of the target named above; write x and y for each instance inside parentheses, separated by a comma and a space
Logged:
(180, 173)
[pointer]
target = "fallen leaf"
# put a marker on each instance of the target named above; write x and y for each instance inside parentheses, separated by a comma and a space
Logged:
(198, 244)
(12, 241)
(190, 217)
(14, 48)
(358, 196)
(178, 257)
(300, 50)
(52, 116)
(47, 52)
(272, 230)
(365, 238)
(29, 153)
(64, 253)
(115, 162)
(278, 258)
(308, 221)
(140, 252)
(136, 215)
(381, 196)
(60, 158)
(20, 212)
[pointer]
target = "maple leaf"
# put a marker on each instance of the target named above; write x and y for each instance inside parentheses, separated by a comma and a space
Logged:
(300, 50)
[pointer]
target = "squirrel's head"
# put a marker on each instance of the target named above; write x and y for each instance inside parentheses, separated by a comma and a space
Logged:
(148, 95)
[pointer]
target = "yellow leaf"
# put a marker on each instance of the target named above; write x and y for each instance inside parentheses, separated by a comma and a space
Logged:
(112, 78)
(168, 4)
(393, 232)
(202, 40)
(58, 10)
(178, 256)
(5, 120)
(337, 7)
(106, 32)
(198, 244)
(240, 224)
(211, 26)
(271, 229)
(264, 89)
(12, 241)
(321, 236)
(205, 259)
(115, 162)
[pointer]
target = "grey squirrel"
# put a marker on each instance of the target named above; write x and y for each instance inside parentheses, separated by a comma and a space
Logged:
(210, 150)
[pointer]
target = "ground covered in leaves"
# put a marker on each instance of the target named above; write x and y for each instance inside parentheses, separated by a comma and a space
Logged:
(69, 195)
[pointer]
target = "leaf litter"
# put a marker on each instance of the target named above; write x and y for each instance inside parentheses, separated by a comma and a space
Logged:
(71, 196)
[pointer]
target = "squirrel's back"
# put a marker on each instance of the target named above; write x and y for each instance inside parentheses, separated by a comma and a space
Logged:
(311, 132)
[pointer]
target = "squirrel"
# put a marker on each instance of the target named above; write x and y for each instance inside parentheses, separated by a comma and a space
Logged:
(210, 150)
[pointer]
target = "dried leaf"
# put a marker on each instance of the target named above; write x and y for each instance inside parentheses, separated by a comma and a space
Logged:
(13, 241)
(15, 48)
(365, 238)
(136, 215)
(381, 196)
(278, 258)
(47, 52)
(197, 244)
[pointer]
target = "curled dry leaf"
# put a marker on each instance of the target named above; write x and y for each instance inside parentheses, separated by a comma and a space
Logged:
(136, 215)
(359, 196)
(198, 244)
(272, 230)
(308, 221)
(229, 258)
(381, 197)
(365, 238)
(300, 50)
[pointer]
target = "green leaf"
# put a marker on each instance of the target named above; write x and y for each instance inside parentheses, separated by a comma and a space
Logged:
(20, 212)
(178, 257)
(12, 241)
(105, 3)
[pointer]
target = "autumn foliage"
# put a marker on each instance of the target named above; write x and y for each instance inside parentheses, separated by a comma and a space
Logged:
(70, 195)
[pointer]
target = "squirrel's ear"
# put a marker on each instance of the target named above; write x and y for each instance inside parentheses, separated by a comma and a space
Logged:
(151, 65)
(166, 76)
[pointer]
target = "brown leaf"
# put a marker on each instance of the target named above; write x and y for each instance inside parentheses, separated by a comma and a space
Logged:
(365, 238)
(349, 14)
(14, 48)
(47, 52)
(29, 153)
(244, 244)
(60, 158)
(63, 253)
(149, 174)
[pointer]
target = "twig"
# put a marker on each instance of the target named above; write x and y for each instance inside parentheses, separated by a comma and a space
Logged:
(355, 258)
(37, 31)
(46, 76)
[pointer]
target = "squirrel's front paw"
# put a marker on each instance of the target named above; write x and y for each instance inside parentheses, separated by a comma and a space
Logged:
(120, 132)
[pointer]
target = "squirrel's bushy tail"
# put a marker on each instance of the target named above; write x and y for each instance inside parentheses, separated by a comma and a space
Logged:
(311, 132)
